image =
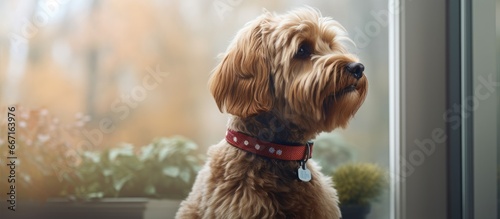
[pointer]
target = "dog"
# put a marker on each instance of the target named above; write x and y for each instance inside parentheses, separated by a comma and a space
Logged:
(284, 79)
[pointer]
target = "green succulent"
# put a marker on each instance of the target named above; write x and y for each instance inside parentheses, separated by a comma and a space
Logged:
(360, 183)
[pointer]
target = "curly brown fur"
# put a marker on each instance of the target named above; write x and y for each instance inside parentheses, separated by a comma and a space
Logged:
(277, 94)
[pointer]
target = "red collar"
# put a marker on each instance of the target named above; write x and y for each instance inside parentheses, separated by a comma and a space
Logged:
(266, 149)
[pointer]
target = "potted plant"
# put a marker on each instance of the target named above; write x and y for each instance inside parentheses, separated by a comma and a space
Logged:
(164, 169)
(357, 185)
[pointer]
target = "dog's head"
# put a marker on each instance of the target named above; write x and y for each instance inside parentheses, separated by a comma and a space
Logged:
(293, 65)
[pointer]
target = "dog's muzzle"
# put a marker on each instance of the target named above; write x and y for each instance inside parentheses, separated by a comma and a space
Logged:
(356, 69)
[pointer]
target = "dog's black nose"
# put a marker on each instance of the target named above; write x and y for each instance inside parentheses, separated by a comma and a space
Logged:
(356, 69)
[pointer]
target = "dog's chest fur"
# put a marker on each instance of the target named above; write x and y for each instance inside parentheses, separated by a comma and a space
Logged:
(237, 184)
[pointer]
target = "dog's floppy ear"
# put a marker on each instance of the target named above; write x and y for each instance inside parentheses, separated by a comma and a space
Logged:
(240, 83)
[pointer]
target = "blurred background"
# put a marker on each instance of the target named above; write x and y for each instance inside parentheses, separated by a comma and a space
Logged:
(119, 76)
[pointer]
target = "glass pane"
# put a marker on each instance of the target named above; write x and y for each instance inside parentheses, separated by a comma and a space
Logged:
(127, 76)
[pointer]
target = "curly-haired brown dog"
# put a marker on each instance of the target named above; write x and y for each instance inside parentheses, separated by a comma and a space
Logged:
(285, 78)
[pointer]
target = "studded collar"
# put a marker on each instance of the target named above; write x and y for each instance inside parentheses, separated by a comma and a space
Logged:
(267, 149)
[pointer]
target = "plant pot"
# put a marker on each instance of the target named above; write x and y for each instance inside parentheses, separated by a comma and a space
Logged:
(161, 208)
(354, 211)
(123, 208)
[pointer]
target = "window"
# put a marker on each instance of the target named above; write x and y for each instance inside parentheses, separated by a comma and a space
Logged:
(131, 72)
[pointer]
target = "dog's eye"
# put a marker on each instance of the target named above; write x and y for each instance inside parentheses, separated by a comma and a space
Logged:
(304, 51)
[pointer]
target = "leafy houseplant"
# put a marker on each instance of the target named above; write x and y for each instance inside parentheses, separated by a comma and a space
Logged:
(166, 168)
(357, 185)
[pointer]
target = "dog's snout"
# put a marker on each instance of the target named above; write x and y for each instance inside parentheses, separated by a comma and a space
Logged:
(356, 69)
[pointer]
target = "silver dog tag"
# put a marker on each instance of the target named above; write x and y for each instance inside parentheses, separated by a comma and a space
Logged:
(304, 173)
